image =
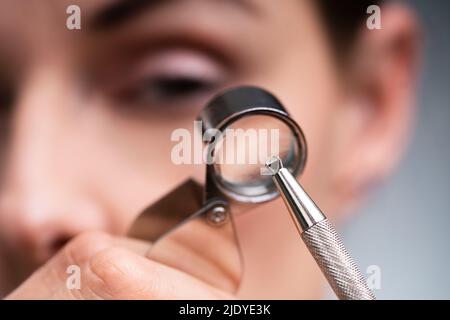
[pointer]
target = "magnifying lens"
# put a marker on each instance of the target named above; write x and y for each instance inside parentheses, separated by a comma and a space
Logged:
(192, 227)
(245, 127)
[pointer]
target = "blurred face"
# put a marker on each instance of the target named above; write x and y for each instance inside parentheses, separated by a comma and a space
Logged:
(86, 115)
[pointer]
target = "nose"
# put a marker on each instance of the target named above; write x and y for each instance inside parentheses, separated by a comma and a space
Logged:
(35, 225)
(42, 200)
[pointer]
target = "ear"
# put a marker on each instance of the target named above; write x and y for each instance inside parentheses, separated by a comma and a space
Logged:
(375, 122)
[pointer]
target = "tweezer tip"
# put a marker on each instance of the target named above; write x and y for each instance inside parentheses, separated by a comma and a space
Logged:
(274, 165)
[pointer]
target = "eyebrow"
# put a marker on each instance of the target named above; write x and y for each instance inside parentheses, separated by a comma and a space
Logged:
(119, 12)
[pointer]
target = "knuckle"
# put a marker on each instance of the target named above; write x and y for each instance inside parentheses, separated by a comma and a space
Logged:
(116, 273)
(111, 273)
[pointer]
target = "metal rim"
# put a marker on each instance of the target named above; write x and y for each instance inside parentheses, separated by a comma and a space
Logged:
(296, 168)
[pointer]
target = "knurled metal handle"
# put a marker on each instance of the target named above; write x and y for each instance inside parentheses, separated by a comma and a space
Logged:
(336, 264)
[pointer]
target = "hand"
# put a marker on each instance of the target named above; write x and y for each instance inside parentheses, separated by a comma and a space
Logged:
(112, 268)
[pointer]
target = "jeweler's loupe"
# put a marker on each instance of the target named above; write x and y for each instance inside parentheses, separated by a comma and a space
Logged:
(250, 126)
(192, 227)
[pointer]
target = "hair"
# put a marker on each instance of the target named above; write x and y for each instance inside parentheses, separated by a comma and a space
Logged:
(344, 20)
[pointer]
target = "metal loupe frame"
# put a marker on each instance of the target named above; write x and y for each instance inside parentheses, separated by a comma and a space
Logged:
(212, 207)
(232, 106)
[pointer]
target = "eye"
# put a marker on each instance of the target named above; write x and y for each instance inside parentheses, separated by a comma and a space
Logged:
(165, 89)
(175, 78)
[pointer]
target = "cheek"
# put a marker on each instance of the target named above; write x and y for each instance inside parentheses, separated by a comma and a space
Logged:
(308, 88)
(127, 162)
(314, 113)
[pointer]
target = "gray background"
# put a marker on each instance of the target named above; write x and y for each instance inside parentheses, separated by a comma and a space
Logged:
(405, 229)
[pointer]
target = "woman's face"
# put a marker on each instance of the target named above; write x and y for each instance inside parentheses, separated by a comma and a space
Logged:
(87, 115)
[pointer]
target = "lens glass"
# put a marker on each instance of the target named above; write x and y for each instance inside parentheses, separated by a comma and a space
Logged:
(243, 149)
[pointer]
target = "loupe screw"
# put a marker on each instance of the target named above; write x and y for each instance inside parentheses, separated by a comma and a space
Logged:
(217, 215)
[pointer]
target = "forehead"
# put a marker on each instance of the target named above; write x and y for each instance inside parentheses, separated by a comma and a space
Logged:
(30, 11)
(31, 26)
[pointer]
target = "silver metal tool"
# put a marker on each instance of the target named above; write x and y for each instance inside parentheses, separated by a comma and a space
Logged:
(193, 214)
(320, 237)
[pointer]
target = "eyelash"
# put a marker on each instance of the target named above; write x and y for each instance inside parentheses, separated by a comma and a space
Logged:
(166, 81)
(167, 89)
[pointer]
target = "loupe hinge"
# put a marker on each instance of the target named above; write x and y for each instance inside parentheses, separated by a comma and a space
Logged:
(216, 207)
(218, 215)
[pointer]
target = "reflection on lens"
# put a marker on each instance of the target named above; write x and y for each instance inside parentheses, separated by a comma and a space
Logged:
(246, 145)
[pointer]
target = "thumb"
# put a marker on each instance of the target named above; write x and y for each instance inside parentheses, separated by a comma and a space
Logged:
(120, 274)
(108, 271)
